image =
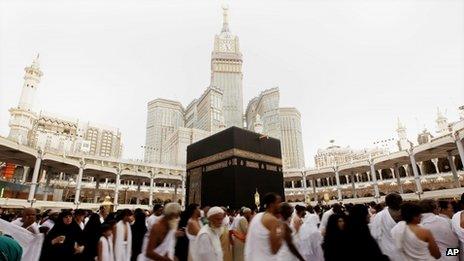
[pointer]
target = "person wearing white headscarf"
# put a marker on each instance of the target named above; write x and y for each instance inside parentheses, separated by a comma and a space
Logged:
(208, 244)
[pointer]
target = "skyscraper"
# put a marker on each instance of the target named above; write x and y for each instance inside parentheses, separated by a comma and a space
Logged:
(164, 117)
(226, 73)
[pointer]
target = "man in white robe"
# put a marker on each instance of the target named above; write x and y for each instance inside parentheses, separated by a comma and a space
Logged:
(456, 222)
(208, 244)
(310, 245)
(336, 208)
(440, 228)
(155, 216)
(311, 216)
(30, 242)
(28, 220)
(162, 240)
(123, 237)
(383, 223)
(265, 232)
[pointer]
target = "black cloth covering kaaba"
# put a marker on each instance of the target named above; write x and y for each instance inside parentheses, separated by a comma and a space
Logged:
(229, 167)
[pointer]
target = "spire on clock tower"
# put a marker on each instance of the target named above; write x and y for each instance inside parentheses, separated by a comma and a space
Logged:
(225, 18)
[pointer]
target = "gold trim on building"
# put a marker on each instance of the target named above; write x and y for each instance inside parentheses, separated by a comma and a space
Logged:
(234, 153)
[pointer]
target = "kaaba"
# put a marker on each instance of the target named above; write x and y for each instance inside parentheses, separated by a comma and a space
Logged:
(229, 167)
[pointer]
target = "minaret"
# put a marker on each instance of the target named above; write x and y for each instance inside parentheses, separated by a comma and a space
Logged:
(442, 122)
(403, 143)
(226, 72)
(22, 117)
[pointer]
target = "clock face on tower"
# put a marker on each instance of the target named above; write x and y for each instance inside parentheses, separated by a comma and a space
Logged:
(226, 46)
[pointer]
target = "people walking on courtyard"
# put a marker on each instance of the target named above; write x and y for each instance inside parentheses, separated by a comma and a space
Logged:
(192, 213)
(105, 250)
(28, 220)
(208, 243)
(264, 237)
(162, 239)
(412, 241)
(64, 241)
(335, 244)
(239, 232)
(383, 222)
(288, 251)
(122, 236)
(358, 234)
(138, 230)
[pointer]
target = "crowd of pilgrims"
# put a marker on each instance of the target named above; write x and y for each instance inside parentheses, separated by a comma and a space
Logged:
(393, 230)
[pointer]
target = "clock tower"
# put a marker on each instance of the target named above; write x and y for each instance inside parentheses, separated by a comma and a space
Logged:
(226, 73)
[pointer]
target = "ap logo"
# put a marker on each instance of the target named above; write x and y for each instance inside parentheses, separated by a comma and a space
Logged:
(452, 251)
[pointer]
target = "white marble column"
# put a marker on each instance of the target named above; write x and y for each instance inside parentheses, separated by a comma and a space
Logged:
(35, 176)
(396, 170)
(150, 196)
(174, 198)
(337, 181)
(353, 185)
(116, 189)
(374, 181)
(47, 184)
(435, 164)
(184, 194)
(313, 184)
(305, 190)
(96, 191)
(25, 173)
(460, 149)
(79, 184)
(416, 173)
(457, 183)
(137, 201)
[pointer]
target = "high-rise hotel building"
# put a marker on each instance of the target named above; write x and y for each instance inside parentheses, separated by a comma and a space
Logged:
(171, 127)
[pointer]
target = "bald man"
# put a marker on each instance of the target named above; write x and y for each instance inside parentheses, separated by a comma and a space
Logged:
(28, 220)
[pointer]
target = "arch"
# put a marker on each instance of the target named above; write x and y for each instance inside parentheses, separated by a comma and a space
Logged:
(408, 191)
(368, 195)
(402, 172)
(427, 189)
(443, 165)
(323, 182)
(377, 174)
(297, 183)
(381, 193)
(387, 174)
(363, 177)
(288, 184)
(428, 167)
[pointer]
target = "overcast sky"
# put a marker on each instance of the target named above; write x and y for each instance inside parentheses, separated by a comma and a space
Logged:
(350, 67)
